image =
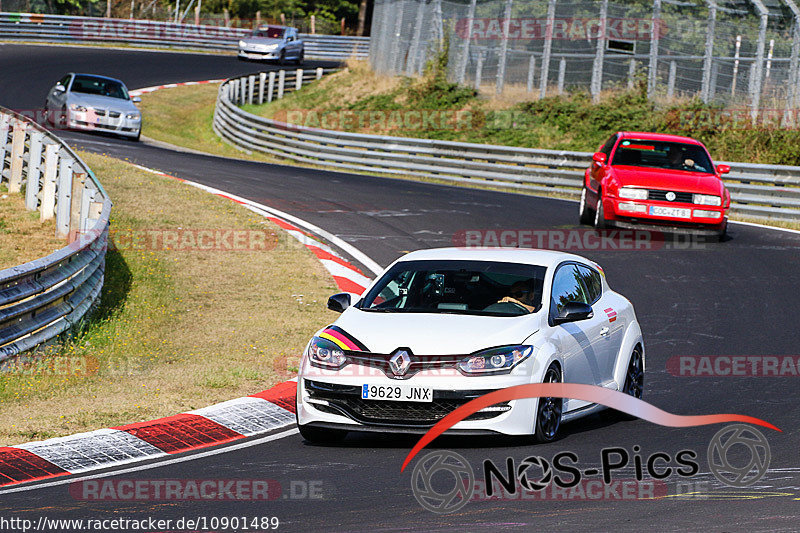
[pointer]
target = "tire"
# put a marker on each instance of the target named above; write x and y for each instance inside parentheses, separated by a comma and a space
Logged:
(634, 375)
(586, 214)
(599, 215)
(282, 58)
(301, 57)
(723, 233)
(319, 435)
(548, 411)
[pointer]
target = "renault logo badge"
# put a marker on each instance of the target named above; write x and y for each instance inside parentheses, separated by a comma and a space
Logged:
(400, 362)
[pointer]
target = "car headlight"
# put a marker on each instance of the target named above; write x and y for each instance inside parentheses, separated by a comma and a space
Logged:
(76, 107)
(325, 354)
(242, 44)
(495, 361)
(633, 193)
(706, 199)
(133, 116)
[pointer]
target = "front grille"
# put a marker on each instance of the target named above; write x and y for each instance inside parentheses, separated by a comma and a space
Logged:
(346, 400)
(113, 114)
(100, 112)
(682, 197)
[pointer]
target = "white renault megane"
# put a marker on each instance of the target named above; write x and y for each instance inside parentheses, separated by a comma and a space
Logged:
(441, 327)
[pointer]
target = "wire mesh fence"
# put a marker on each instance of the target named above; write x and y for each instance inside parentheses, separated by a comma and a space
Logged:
(739, 54)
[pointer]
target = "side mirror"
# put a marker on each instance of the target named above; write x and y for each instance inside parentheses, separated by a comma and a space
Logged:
(723, 169)
(339, 302)
(574, 311)
(59, 88)
(136, 99)
(599, 158)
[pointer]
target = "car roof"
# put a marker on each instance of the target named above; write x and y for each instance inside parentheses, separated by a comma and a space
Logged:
(97, 76)
(546, 258)
(658, 137)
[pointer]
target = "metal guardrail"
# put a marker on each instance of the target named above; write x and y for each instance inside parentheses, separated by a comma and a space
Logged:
(765, 191)
(36, 27)
(43, 298)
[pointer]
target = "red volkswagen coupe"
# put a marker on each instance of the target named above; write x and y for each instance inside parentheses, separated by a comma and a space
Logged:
(655, 181)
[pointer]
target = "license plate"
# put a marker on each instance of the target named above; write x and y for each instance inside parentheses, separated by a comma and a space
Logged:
(396, 393)
(676, 212)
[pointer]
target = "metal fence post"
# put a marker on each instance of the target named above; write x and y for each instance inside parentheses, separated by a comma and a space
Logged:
(736, 64)
(794, 79)
(319, 73)
(708, 56)
(397, 31)
(759, 70)
(34, 171)
(501, 66)
(631, 73)
(251, 89)
(673, 71)
(298, 79)
(531, 71)
(243, 83)
(5, 121)
(64, 191)
(17, 152)
(652, 73)
(262, 77)
(47, 209)
(281, 82)
(413, 50)
(462, 65)
(478, 71)
(562, 71)
(548, 49)
(271, 86)
(597, 67)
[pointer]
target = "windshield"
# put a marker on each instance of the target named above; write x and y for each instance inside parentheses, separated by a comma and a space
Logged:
(458, 287)
(99, 86)
(661, 154)
(269, 33)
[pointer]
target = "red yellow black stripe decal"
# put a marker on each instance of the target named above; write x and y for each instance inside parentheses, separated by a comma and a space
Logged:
(342, 339)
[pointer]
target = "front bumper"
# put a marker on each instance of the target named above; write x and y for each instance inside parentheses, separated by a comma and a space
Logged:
(637, 214)
(259, 55)
(334, 402)
(119, 126)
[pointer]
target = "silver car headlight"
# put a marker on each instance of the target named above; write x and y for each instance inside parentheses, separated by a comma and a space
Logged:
(495, 360)
(76, 107)
(325, 354)
(633, 193)
(706, 199)
(133, 116)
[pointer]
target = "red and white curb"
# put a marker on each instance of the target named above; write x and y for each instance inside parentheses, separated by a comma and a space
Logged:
(222, 423)
(145, 90)
(218, 424)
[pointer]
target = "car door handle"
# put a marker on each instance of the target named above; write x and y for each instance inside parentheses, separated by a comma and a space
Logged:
(604, 331)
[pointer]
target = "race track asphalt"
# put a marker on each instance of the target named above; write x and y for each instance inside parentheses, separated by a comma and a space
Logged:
(732, 298)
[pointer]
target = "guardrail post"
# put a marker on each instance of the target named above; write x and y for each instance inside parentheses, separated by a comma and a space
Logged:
(47, 210)
(251, 89)
(562, 71)
(673, 70)
(4, 123)
(319, 73)
(271, 89)
(262, 77)
(281, 81)
(478, 72)
(298, 83)
(17, 151)
(243, 94)
(64, 191)
(34, 171)
(75, 200)
(531, 71)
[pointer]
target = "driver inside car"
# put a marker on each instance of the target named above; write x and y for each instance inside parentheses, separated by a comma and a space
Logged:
(521, 293)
